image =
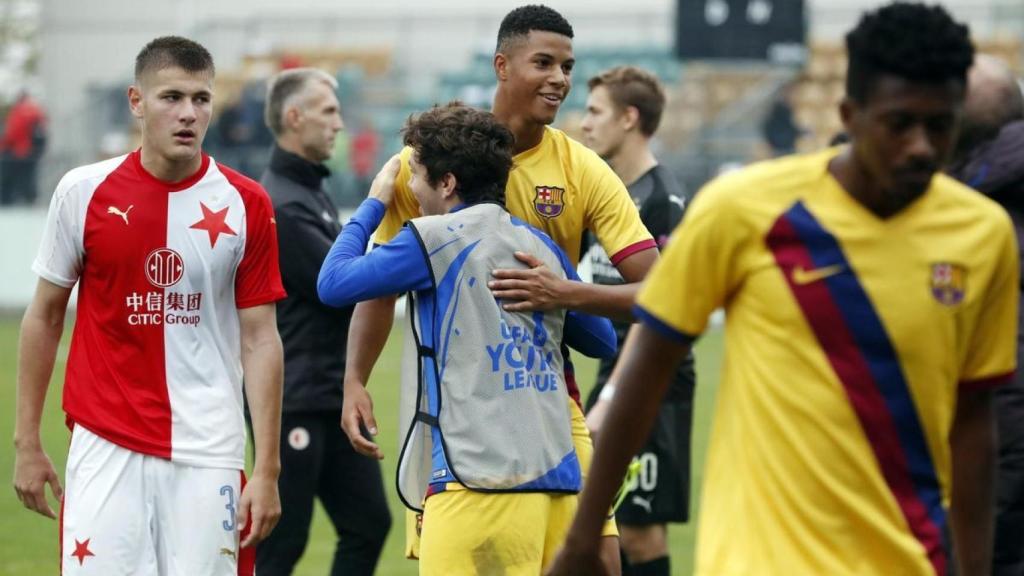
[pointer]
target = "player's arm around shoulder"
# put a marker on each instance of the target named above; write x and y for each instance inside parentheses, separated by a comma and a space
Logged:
(41, 329)
(612, 301)
(537, 287)
(263, 367)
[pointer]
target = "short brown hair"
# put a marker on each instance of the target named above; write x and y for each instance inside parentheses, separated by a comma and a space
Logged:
(632, 86)
(469, 143)
(173, 51)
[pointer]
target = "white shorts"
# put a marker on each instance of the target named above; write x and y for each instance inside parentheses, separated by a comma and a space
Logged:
(126, 513)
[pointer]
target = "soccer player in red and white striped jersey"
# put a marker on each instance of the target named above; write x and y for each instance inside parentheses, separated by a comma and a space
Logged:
(175, 258)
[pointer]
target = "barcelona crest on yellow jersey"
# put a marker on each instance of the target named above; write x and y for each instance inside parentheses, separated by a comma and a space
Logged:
(548, 202)
(948, 283)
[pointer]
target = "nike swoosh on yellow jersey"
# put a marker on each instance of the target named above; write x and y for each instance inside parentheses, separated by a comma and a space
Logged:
(802, 276)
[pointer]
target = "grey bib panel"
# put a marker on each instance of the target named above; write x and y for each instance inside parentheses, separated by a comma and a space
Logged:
(483, 396)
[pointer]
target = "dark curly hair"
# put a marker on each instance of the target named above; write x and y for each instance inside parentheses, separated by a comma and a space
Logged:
(520, 22)
(916, 42)
(171, 51)
(469, 143)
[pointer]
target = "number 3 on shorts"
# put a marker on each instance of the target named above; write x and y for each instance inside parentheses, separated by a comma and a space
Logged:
(229, 491)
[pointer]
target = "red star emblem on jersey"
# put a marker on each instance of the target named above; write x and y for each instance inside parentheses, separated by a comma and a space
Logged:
(214, 224)
(82, 551)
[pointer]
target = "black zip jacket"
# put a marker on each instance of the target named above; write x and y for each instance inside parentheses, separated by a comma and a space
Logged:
(314, 335)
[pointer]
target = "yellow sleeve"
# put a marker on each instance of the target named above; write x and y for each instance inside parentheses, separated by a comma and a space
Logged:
(404, 206)
(991, 354)
(699, 269)
(610, 212)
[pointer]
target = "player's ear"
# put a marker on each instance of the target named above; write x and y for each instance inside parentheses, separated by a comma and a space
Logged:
(501, 66)
(631, 117)
(292, 115)
(448, 184)
(847, 110)
(135, 100)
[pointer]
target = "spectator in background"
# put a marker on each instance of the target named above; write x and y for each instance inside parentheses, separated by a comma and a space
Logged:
(229, 135)
(241, 131)
(993, 102)
(316, 458)
(364, 149)
(989, 159)
(779, 128)
(23, 142)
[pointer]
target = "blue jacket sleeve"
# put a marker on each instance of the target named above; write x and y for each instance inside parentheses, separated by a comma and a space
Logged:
(592, 335)
(349, 276)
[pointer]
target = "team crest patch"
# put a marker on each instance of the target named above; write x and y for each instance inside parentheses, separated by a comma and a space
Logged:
(298, 438)
(948, 283)
(549, 201)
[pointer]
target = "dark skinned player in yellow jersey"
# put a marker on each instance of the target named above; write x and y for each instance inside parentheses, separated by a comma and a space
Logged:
(871, 309)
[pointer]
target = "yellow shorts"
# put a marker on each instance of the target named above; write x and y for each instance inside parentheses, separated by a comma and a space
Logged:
(584, 452)
(467, 532)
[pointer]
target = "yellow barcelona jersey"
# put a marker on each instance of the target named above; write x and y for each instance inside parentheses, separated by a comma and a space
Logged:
(847, 340)
(558, 186)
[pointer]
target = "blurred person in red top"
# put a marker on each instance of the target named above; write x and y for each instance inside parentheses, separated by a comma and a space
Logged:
(22, 145)
(364, 148)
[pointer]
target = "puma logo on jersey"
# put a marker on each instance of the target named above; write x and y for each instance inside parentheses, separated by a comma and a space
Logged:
(803, 276)
(227, 552)
(117, 211)
(644, 503)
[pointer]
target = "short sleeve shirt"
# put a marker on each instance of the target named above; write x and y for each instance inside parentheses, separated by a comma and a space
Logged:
(848, 339)
(162, 269)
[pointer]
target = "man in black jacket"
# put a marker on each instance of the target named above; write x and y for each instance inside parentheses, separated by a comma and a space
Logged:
(988, 158)
(316, 458)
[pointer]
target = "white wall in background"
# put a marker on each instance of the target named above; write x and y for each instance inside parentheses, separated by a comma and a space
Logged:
(20, 232)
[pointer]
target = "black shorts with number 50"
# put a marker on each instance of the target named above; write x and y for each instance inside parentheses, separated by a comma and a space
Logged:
(660, 493)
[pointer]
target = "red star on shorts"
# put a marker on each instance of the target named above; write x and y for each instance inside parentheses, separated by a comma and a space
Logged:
(213, 223)
(82, 550)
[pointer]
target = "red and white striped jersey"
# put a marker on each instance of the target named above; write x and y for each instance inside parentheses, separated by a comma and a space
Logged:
(155, 361)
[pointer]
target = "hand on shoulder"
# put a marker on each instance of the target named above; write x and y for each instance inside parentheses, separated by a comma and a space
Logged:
(383, 187)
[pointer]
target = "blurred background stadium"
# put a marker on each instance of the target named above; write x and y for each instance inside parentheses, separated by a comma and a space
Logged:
(746, 79)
